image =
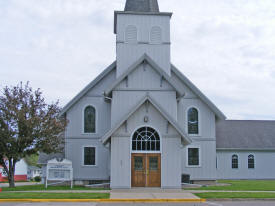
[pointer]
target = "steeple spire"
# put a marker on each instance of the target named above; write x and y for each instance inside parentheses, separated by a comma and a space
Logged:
(142, 5)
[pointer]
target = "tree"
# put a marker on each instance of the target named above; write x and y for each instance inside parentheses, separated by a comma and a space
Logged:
(31, 160)
(27, 125)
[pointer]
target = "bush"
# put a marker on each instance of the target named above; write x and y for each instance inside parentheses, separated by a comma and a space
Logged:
(37, 179)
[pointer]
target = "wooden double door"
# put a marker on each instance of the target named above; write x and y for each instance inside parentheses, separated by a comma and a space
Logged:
(146, 170)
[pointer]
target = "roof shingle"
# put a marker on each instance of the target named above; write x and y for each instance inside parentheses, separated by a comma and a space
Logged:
(245, 134)
(142, 5)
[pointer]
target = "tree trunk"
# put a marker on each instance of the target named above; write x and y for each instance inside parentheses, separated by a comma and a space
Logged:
(11, 173)
(11, 180)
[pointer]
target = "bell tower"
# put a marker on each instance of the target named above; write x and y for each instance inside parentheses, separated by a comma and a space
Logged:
(142, 29)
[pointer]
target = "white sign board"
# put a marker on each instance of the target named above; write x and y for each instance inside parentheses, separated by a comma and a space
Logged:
(59, 171)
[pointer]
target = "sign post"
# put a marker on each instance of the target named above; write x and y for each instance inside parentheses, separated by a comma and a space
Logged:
(59, 170)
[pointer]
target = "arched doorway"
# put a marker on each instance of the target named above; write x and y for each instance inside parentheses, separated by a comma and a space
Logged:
(146, 158)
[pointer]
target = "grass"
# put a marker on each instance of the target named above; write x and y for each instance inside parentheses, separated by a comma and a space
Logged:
(35, 195)
(42, 187)
(232, 195)
(243, 185)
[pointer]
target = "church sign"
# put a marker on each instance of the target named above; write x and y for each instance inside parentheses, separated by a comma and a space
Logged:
(59, 170)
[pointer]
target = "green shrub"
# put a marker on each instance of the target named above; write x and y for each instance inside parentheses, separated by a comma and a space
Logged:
(37, 179)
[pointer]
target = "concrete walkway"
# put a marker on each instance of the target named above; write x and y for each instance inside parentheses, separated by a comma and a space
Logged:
(151, 193)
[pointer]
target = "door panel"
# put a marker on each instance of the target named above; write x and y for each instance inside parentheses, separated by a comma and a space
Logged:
(153, 170)
(138, 170)
(146, 170)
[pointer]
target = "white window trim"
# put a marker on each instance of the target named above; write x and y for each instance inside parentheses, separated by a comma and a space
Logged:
(83, 147)
(199, 118)
(193, 147)
(83, 119)
(125, 34)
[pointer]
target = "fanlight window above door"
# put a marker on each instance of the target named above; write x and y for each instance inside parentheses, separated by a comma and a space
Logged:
(146, 139)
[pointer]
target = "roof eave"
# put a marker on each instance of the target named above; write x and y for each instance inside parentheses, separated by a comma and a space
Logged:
(214, 108)
(183, 135)
(87, 88)
(154, 65)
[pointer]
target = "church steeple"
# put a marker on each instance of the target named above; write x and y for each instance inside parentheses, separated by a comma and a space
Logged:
(142, 29)
(142, 5)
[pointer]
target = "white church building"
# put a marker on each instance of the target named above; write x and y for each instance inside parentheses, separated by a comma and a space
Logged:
(142, 123)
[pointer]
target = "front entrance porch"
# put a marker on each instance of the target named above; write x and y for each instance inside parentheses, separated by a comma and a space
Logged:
(146, 170)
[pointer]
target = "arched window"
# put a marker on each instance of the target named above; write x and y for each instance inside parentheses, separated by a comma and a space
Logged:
(131, 34)
(155, 35)
(235, 164)
(146, 139)
(89, 119)
(193, 121)
(251, 162)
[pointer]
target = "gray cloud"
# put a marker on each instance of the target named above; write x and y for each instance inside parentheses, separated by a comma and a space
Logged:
(227, 48)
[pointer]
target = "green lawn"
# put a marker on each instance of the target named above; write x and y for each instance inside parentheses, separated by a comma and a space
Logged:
(42, 187)
(243, 185)
(231, 195)
(35, 195)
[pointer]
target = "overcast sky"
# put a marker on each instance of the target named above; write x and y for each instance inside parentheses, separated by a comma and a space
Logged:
(225, 47)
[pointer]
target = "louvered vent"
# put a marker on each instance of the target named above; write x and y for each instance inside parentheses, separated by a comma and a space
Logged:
(131, 34)
(155, 35)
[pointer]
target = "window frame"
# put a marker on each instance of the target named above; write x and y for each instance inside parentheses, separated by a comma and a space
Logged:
(199, 123)
(234, 168)
(187, 156)
(83, 120)
(152, 152)
(251, 168)
(83, 157)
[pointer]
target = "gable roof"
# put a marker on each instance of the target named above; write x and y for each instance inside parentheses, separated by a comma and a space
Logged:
(147, 97)
(154, 65)
(245, 134)
(159, 70)
(88, 87)
(194, 89)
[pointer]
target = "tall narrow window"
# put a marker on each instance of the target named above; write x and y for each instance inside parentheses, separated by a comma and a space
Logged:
(193, 121)
(89, 156)
(193, 157)
(131, 34)
(251, 162)
(155, 35)
(89, 119)
(235, 162)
